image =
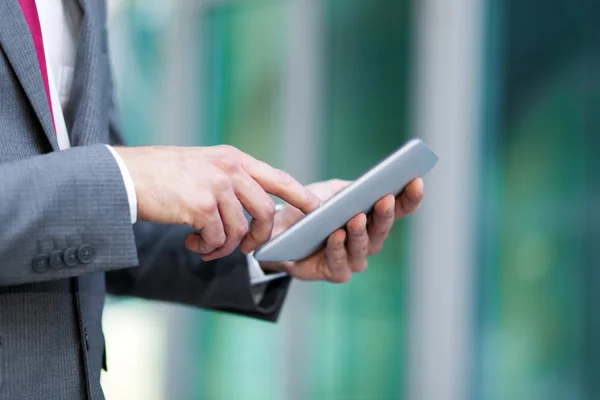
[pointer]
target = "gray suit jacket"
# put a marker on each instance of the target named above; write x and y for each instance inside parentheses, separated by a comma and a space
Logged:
(65, 234)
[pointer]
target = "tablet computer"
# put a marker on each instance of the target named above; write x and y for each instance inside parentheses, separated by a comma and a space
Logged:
(389, 176)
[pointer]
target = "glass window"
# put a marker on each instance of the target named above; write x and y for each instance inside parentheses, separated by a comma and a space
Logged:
(244, 57)
(241, 87)
(539, 321)
(360, 350)
(354, 337)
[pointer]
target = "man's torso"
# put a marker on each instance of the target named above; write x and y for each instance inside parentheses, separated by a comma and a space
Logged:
(51, 342)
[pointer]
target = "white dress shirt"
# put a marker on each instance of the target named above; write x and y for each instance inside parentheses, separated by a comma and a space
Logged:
(60, 21)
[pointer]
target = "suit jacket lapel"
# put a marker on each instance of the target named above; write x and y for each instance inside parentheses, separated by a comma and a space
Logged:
(85, 109)
(15, 39)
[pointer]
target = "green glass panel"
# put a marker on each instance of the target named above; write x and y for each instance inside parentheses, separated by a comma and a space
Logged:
(360, 327)
(243, 58)
(244, 50)
(535, 324)
(135, 41)
(354, 337)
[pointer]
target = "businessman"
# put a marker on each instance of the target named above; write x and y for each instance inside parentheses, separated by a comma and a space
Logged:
(82, 215)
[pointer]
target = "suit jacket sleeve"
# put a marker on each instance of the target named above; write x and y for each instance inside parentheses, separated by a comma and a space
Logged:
(63, 214)
(169, 272)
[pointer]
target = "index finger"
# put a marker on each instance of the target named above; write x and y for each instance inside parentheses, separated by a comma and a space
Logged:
(279, 183)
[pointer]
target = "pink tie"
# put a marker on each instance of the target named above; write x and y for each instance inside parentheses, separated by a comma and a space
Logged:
(31, 16)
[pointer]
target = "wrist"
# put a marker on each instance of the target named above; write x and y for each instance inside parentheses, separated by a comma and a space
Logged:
(128, 182)
(133, 158)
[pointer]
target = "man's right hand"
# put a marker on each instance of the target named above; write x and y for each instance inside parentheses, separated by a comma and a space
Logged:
(206, 187)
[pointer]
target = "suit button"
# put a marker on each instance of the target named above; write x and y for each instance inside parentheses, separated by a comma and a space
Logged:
(86, 253)
(40, 263)
(70, 257)
(56, 259)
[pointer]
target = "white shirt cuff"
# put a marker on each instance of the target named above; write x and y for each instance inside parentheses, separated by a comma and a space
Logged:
(128, 184)
(258, 279)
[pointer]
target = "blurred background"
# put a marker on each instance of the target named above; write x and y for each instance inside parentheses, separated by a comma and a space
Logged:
(490, 291)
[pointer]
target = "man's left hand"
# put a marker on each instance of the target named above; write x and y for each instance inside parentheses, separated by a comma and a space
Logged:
(347, 249)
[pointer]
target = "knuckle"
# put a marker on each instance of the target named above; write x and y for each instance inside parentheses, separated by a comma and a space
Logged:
(268, 209)
(355, 231)
(242, 229)
(188, 217)
(284, 177)
(219, 240)
(206, 205)
(381, 231)
(338, 246)
(363, 249)
(376, 248)
(339, 260)
(260, 236)
(312, 198)
(405, 203)
(361, 266)
(229, 165)
(220, 181)
(226, 148)
(341, 277)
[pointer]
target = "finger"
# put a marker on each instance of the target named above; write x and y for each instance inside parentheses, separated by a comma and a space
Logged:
(282, 185)
(260, 206)
(337, 185)
(381, 222)
(337, 270)
(211, 233)
(358, 243)
(410, 199)
(234, 223)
